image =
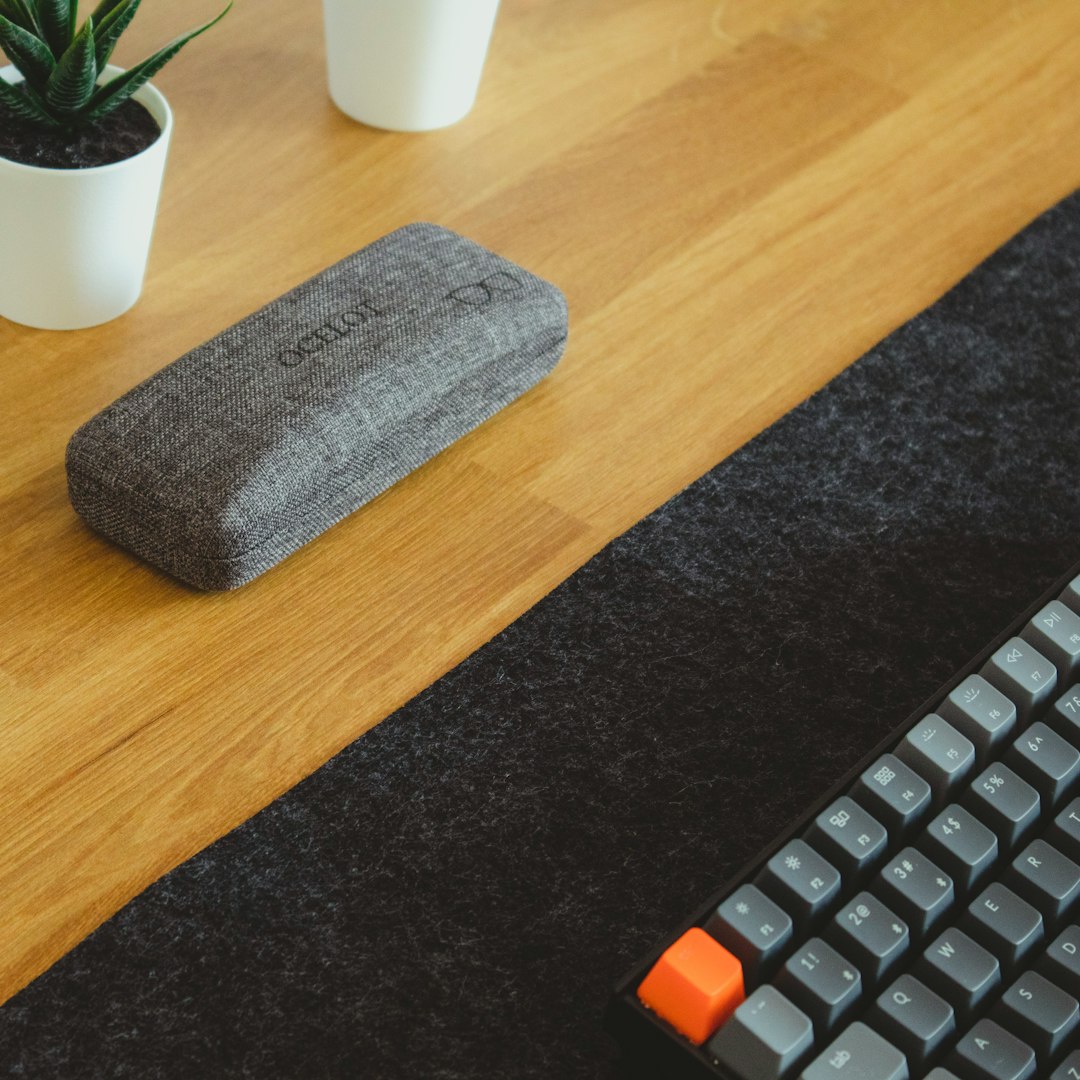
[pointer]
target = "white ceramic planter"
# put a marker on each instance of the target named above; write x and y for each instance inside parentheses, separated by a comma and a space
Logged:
(407, 65)
(74, 242)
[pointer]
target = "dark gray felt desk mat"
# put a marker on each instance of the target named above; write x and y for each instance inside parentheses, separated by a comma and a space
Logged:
(453, 894)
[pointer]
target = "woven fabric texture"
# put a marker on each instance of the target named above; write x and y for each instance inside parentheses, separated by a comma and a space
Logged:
(241, 451)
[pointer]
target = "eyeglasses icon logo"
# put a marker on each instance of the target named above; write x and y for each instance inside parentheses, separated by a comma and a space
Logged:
(482, 292)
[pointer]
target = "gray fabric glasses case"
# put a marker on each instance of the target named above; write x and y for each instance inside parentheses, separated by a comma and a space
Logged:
(241, 451)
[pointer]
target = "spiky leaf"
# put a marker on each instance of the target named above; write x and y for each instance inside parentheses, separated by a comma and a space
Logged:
(57, 24)
(104, 9)
(23, 14)
(72, 84)
(25, 105)
(108, 31)
(27, 52)
(114, 93)
(9, 11)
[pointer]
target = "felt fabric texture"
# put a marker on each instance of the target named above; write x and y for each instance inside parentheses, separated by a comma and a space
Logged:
(454, 894)
(250, 445)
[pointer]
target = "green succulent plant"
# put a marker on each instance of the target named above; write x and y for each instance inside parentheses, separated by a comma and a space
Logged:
(61, 63)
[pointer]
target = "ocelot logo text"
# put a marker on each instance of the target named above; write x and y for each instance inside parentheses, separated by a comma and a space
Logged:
(343, 323)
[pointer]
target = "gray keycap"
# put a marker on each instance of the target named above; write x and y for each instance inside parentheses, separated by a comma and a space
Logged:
(871, 936)
(1069, 1069)
(962, 846)
(982, 713)
(939, 754)
(1023, 675)
(961, 971)
(941, 1074)
(989, 1052)
(1045, 760)
(822, 983)
(894, 794)
(1005, 802)
(1008, 926)
(1071, 594)
(1055, 632)
(1046, 879)
(801, 882)
(849, 837)
(750, 926)
(1039, 1013)
(1064, 716)
(858, 1054)
(917, 889)
(1064, 831)
(1061, 961)
(914, 1019)
(765, 1038)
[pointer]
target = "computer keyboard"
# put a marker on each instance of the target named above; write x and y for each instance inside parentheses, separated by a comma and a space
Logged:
(922, 920)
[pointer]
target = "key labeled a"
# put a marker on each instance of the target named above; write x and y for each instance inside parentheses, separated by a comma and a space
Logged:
(988, 1050)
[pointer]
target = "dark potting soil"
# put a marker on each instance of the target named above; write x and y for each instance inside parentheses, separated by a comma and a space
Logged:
(124, 133)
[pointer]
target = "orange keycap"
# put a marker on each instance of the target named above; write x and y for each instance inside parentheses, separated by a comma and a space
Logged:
(695, 985)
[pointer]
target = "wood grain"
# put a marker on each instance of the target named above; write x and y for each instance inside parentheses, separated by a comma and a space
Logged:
(738, 198)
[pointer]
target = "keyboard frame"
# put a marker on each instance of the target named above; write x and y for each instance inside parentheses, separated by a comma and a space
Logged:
(653, 1046)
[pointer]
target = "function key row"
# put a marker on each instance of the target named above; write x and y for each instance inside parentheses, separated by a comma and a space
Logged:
(955, 856)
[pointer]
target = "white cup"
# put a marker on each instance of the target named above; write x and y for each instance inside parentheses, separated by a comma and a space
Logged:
(406, 65)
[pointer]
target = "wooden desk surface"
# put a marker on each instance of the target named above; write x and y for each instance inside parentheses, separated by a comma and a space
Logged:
(738, 198)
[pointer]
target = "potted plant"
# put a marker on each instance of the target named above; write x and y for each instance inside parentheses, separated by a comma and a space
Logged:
(406, 65)
(82, 153)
